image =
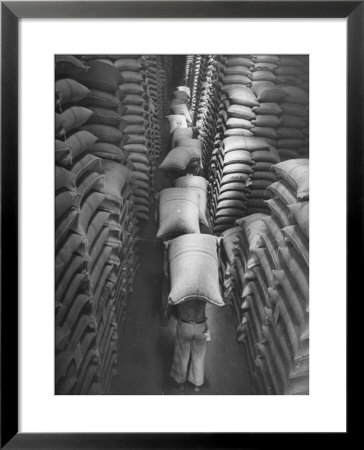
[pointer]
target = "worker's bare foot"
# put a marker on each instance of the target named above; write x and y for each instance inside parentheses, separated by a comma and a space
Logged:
(181, 387)
(197, 389)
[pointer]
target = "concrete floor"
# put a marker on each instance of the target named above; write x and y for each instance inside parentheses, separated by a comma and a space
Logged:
(146, 348)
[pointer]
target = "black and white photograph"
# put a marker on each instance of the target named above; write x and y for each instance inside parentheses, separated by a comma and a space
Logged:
(181, 224)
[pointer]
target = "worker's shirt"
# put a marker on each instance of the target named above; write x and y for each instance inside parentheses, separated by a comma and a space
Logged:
(192, 310)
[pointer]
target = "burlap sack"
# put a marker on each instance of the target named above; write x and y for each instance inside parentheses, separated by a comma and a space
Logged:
(199, 184)
(179, 158)
(178, 212)
(176, 121)
(296, 173)
(70, 91)
(193, 262)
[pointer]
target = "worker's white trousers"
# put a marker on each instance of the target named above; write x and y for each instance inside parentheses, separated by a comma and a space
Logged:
(190, 345)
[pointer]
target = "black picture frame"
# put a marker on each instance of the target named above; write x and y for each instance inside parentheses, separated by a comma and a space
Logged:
(11, 12)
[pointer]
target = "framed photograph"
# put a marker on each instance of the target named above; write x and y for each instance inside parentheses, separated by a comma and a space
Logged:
(160, 282)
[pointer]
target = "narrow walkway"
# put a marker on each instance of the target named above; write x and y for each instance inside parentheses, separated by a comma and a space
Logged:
(146, 348)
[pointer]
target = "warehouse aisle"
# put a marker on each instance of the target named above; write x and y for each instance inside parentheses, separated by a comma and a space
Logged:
(146, 348)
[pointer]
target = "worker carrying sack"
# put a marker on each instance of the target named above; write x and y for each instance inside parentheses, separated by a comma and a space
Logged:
(179, 158)
(181, 110)
(176, 121)
(199, 184)
(185, 89)
(178, 212)
(193, 267)
(180, 133)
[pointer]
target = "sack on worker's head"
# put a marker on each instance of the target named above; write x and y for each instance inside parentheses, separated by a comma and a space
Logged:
(176, 121)
(179, 158)
(187, 142)
(193, 262)
(184, 89)
(181, 110)
(199, 184)
(181, 133)
(178, 212)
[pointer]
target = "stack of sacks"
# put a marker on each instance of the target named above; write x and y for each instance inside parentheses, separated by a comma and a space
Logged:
(290, 294)
(135, 115)
(117, 261)
(260, 119)
(233, 165)
(185, 156)
(293, 78)
(238, 70)
(293, 129)
(195, 87)
(154, 91)
(271, 264)
(189, 70)
(269, 96)
(193, 269)
(108, 123)
(240, 156)
(164, 82)
(229, 278)
(92, 220)
(304, 76)
(236, 114)
(77, 177)
(263, 176)
(208, 108)
(253, 305)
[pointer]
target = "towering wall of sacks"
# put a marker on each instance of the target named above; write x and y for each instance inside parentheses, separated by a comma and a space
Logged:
(108, 116)
(265, 274)
(252, 120)
(254, 96)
